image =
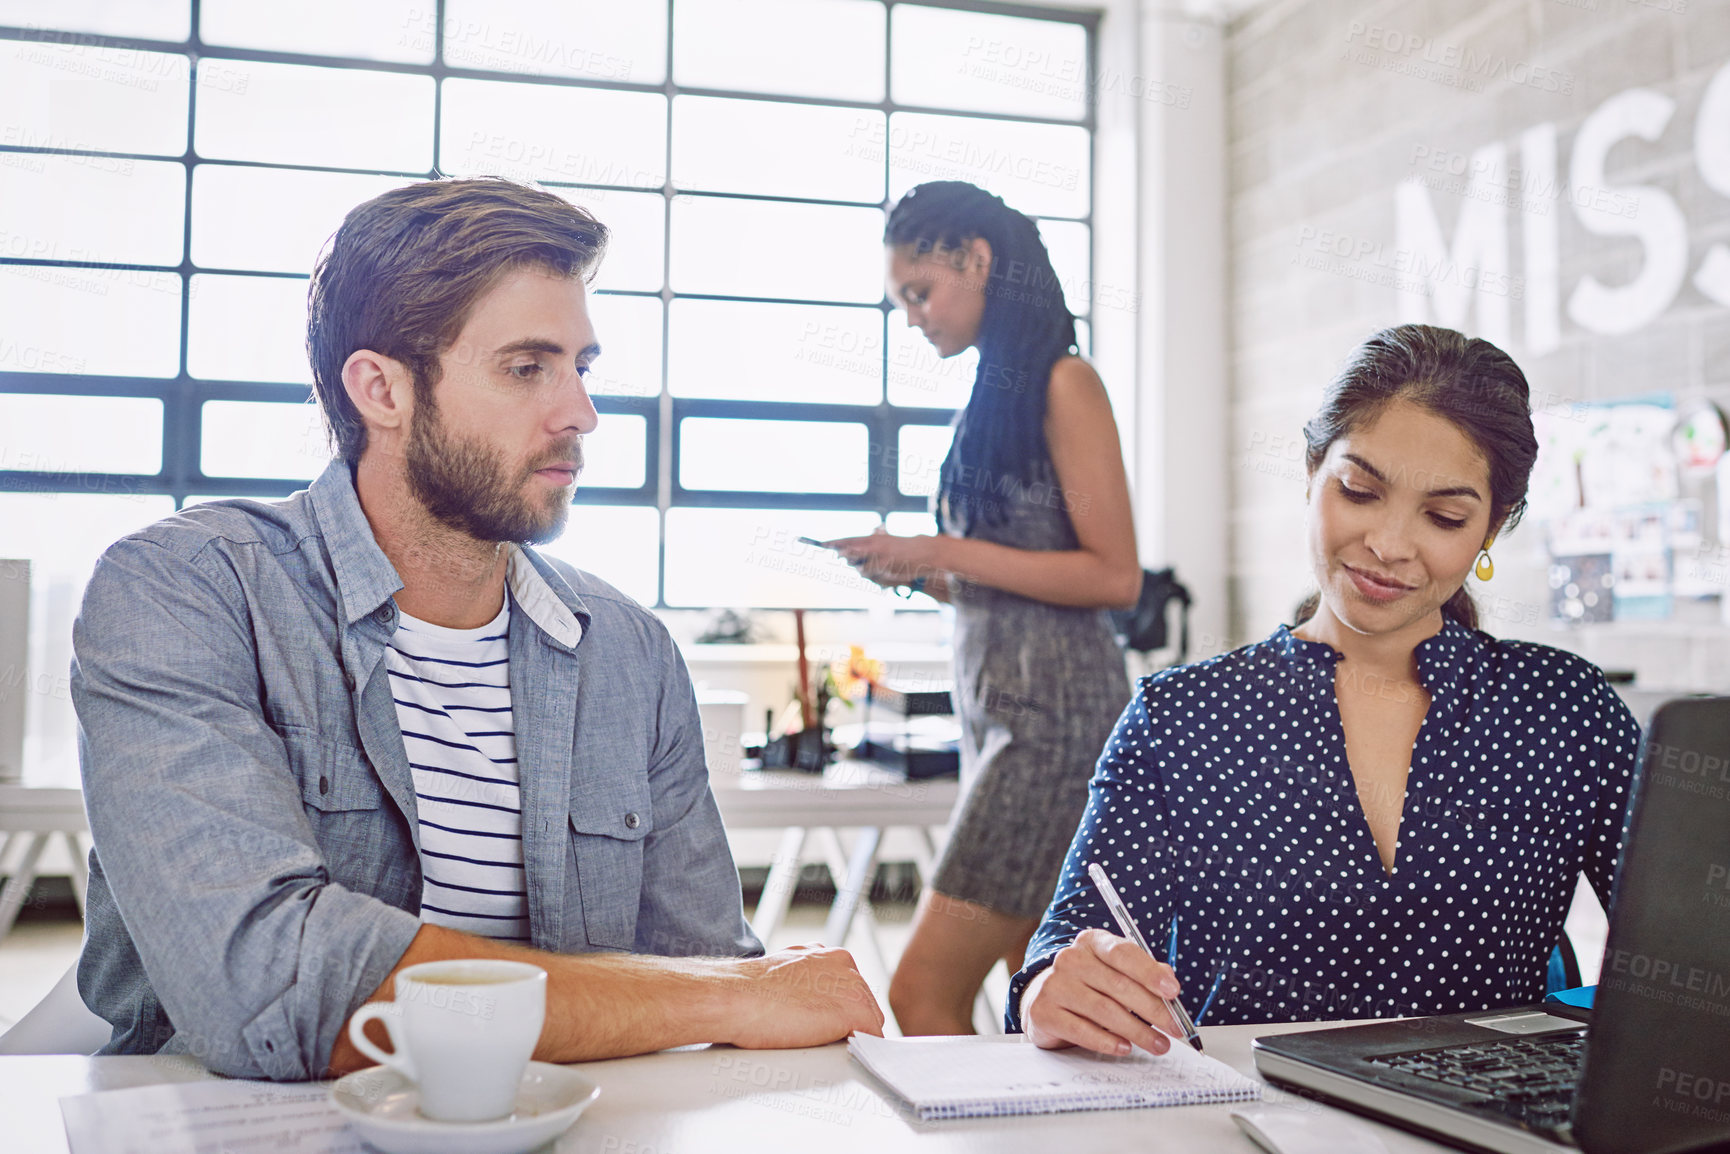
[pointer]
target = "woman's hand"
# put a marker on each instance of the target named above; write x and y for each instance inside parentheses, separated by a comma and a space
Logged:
(1101, 993)
(888, 559)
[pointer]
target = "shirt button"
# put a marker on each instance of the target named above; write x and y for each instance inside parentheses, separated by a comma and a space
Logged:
(632, 821)
(324, 785)
(382, 614)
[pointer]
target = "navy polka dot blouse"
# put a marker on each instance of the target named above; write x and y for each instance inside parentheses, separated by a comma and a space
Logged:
(1224, 810)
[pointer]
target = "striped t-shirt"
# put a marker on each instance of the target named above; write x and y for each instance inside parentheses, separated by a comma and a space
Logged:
(453, 702)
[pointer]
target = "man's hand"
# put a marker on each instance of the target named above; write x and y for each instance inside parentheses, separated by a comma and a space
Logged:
(800, 996)
(1101, 993)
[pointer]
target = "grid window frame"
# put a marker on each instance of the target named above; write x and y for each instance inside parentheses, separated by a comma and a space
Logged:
(184, 395)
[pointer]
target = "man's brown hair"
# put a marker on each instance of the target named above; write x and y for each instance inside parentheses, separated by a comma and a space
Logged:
(404, 271)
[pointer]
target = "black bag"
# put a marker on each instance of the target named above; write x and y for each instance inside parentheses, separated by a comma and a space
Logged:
(1144, 627)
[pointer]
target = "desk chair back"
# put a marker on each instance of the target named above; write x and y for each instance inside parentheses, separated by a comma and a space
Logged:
(59, 1024)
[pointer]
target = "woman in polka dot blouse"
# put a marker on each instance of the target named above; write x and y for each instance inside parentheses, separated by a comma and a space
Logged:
(1382, 811)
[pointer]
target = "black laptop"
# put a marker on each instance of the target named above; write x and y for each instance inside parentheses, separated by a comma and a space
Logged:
(1647, 1069)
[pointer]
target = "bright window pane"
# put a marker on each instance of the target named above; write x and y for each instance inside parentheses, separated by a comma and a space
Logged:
(370, 29)
(271, 219)
(918, 377)
(69, 97)
(620, 544)
(943, 58)
(1069, 243)
(910, 525)
(750, 351)
(66, 208)
(613, 455)
(839, 154)
(1039, 169)
(248, 328)
(772, 456)
(341, 117)
(593, 39)
(278, 441)
(544, 132)
(753, 557)
(802, 47)
(629, 330)
(797, 251)
(919, 464)
(143, 19)
(103, 321)
(637, 240)
(47, 434)
(61, 535)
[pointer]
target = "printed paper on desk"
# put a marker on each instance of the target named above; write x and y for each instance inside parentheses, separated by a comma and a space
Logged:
(973, 1077)
(203, 1117)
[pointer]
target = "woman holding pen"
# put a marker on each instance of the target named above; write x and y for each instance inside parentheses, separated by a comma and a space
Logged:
(1380, 812)
(1035, 543)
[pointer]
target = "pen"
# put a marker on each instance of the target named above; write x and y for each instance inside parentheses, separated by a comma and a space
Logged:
(1126, 925)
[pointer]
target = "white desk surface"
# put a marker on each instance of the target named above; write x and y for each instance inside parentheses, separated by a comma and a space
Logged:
(40, 809)
(848, 794)
(745, 1101)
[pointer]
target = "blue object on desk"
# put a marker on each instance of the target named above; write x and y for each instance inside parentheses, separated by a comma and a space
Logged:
(1580, 996)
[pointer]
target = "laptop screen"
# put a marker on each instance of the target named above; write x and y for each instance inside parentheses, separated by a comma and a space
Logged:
(1657, 1074)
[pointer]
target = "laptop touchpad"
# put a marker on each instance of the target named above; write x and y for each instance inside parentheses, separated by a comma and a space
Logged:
(1530, 1022)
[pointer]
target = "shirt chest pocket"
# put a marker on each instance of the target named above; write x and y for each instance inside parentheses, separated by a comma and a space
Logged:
(364, 846)
(333, 778)
(607, 834)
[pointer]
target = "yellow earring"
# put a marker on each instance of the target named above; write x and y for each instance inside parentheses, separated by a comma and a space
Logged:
(1485, 568)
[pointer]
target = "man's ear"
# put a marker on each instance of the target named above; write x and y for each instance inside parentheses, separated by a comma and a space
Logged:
(381, 389)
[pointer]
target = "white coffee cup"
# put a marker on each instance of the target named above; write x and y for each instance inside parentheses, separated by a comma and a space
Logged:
(463, 1031)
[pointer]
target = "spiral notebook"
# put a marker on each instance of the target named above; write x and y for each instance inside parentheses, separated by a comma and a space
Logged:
(976, 1077)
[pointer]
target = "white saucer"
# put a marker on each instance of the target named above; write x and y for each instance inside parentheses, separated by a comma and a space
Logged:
(384, 1108)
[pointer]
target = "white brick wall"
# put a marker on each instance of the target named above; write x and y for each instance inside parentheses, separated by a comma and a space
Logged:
(1334, 103)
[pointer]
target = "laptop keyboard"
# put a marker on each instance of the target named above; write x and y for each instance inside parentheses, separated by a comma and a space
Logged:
(1532, 1078)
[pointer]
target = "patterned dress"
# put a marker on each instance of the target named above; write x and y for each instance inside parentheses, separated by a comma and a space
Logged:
(1038, 688)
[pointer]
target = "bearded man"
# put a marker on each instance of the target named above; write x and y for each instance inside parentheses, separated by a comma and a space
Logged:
(369, 726)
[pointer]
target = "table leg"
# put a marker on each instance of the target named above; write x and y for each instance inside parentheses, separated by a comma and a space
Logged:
(778, 888)
(851, 887)
(988, 1004)
(18, 888)
(925, 856)
(80, 869)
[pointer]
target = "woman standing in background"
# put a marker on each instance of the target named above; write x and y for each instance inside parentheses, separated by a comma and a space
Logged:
(1035, 542)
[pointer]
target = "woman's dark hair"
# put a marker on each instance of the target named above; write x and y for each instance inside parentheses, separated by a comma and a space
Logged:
(1468, 382)
(1000, 436)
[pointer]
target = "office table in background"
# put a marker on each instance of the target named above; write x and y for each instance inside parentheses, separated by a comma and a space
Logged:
(34, 816)
(809, 808)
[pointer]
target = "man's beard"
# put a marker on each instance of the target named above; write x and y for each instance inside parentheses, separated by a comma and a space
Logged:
(466, 486)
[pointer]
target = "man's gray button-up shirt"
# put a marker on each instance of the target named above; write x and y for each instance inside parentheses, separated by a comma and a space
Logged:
(256, 872)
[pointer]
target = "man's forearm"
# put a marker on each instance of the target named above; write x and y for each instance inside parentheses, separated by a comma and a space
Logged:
(598, 1005)
(614, 1005)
